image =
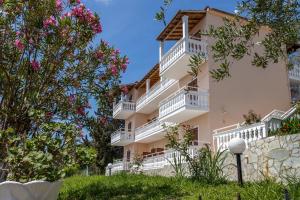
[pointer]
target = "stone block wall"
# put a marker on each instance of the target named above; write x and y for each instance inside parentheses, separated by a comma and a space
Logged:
(276, 157)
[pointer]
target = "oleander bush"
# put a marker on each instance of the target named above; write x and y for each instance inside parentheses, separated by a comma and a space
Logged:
(128, 186)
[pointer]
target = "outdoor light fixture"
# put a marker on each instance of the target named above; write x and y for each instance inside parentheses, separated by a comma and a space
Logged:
(238, 146)
(109, 166)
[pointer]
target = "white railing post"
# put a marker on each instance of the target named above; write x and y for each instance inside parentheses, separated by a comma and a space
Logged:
(161, 50)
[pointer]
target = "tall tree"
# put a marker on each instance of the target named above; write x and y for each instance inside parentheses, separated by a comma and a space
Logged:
(50, 70)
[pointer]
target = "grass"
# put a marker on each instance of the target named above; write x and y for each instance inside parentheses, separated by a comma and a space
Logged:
(140, 187)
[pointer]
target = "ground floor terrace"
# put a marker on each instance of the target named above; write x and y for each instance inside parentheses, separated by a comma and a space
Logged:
(156, 155)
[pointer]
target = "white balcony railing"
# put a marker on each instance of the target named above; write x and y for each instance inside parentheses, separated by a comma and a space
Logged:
(181, 47)
(122, 137)
(118, 166)
(294, 73)
(150, 129)
(123, 109)
(167, 157)
(187, 97)
(154, 92)
(248, 132)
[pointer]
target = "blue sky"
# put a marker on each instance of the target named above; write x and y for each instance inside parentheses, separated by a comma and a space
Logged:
(129, 25)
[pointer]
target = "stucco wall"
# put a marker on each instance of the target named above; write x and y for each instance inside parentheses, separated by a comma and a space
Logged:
(276, 157)
(249, 87)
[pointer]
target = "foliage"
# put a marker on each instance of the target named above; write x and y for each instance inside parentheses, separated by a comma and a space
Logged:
(178, 166)
(293, 185)
(136, 164)
(251, 118)
(195, 62)
(236, 38)
(206, 166)
(45, 156)
(288, 127)
(100, 131)
(160, 15)
(128, 186)
(50, 71)
(85, 155)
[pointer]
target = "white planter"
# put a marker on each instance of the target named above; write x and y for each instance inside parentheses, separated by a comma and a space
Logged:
(35, 190)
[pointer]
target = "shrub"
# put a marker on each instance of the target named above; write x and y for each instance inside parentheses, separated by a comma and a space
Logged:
(208, 166)
(288, 127)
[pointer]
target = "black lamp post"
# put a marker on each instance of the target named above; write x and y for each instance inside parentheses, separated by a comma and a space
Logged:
(238, 146)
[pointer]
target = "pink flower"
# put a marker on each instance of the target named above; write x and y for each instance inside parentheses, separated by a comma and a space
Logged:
(31, 41)
(85, 15)
(35, 65)
(49, 114)
(99, 55)
(58, 5)
(127, 61)
(114, 70)
(124, 67)
(71, 99)
(103, 120)
(51, 21)
(19, 44)
(1, 2)
(80, 111)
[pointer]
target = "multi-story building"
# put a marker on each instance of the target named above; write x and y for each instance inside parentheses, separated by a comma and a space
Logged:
(169, 95)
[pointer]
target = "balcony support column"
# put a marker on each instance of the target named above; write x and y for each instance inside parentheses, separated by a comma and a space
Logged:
(147, 86)
(185, 31)
(161, 49)
(185, 26)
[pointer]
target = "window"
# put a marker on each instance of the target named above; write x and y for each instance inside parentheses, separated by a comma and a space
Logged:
(128, 156)
(193, 84)
(129, 127)
(194, 132)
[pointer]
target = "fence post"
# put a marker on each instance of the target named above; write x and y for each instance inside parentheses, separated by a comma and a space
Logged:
(286, 194)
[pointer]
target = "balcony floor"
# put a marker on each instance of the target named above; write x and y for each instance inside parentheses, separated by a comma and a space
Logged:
(122, 143)
(123, 114)
(151, 105)
(179, 68)
(151, 136)
(183, 114)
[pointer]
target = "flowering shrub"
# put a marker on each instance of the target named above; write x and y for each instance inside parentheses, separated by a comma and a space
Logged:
(50, 69)
(288, 127)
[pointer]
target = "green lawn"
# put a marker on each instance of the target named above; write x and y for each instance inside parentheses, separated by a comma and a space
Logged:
(144, 187)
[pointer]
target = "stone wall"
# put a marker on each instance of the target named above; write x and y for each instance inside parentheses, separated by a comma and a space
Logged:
(276, 157)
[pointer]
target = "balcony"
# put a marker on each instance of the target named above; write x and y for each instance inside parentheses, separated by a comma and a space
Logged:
(187, 103)
(174, 63)
(294, 74)
(148, 102)
(123, 109)
(150, 132)
(252, 132)
(117, 167)
(121, 138)
(248, 133)
(165, 158)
